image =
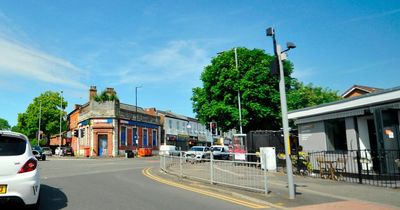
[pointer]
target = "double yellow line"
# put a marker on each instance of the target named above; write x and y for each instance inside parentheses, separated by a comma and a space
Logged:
(146, 172)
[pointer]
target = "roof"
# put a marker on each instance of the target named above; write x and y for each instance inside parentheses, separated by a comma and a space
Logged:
(176, 116)
(370, 99)
(366, 89)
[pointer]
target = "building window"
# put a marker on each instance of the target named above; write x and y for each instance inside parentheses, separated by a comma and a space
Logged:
(154, 137)
(336, 134)
(134, 136)
(170, 124)
(145, 137)
(177, 125)
(123, 136)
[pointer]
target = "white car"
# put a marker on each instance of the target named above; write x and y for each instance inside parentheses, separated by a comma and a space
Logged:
(198, 153)
(19, 175)
(168, 150)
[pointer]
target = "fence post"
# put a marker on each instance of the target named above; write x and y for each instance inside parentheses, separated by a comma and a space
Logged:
(180, 163)
(211, 168)
(359, 166)
(264, 156)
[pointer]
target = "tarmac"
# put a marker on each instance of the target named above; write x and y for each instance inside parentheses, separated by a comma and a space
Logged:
(311, 193)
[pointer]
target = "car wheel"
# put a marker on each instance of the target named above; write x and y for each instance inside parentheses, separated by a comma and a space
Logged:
(44, 157)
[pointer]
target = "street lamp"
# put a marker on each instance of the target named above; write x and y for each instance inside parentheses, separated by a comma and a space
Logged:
(279, 54)
(40, 116)
(61, 113)
(239, 104)
(136, 100)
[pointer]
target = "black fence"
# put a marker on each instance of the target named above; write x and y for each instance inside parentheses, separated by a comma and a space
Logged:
(374, 167)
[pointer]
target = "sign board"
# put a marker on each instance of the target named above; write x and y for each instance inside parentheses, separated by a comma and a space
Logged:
(268, 158)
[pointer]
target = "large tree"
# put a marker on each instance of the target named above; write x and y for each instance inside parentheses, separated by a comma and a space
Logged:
(301, 95)
(28, 121)
(217, 100)
(4, 124)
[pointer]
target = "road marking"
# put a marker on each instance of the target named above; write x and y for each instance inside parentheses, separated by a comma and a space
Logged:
(147, 173)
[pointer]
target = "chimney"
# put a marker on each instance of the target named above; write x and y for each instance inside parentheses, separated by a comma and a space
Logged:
(151, 111)
(92, 92)
(77, 106)
(110, 91)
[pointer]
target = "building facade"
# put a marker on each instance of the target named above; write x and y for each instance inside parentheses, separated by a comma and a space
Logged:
(368, 123)
(109, 128)
(183, 132)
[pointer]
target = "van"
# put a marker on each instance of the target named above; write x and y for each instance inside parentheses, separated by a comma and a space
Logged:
(167, 150)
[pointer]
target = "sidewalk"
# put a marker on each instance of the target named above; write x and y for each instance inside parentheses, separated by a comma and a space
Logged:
(311, 193)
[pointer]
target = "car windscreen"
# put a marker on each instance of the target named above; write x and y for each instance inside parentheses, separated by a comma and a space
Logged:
(197, 149)
(10, 146)
(218, 149)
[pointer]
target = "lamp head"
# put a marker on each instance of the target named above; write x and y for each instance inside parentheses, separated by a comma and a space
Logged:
(270, 31)
(290, 45)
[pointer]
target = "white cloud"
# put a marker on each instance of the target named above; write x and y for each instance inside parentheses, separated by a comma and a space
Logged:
(376, 15)
(24, 61)
(176, 61)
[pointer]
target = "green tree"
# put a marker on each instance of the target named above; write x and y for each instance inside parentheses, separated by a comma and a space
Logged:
(4, 124)
(217, 100)
(260, 100)
(302, 96)
(28, 121)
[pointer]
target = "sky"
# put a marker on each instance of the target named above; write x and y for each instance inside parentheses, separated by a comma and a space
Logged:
(163, 46)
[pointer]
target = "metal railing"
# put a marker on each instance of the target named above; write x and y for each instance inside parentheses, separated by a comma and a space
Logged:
(237, 170)
(374, 167)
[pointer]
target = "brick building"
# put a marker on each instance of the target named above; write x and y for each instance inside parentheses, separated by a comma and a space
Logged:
(109, 128)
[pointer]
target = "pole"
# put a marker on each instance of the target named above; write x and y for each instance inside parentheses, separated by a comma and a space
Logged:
(285, 122)
(40, 118)
(239, 104)
(60, 120)
(136, 101)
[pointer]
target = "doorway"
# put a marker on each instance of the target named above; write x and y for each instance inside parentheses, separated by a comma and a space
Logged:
(102, 144)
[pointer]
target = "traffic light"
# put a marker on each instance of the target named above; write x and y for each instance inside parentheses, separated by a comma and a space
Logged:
(82, 132)
(213, 128)
(76, 133)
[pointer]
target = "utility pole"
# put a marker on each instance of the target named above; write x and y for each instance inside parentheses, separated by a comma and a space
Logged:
(285, 123)
(239, 104)
(40, 116)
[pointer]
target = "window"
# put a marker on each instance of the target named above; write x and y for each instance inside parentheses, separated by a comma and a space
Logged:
(10, 146)
(123, 136)
(170, 124)
(145, 137)
(177, 125)
(154, 137)
(336, 134)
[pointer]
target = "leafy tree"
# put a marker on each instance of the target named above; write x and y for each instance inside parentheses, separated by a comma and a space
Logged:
(4, 124)
(217, 100)
(106, 96)
(260, 100)
(301, 96)
(50, 116)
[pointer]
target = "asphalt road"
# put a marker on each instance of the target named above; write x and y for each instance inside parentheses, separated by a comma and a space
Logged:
(116, 184)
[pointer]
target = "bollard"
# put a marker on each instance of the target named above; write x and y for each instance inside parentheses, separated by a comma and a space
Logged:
(212, 168)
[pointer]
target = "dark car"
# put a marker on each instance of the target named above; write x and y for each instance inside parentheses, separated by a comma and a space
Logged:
(69, 151)
(39, 155)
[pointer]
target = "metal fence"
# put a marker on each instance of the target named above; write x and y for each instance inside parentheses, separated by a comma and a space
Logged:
(374, 167)
(238, 170)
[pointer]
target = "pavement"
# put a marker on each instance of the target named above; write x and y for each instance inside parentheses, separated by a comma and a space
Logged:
(311, 193)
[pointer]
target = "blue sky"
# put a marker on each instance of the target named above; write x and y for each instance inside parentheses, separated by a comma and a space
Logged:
(164, 46)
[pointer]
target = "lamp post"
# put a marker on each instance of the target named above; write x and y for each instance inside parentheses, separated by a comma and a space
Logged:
(61, 113)
(239, 104)
(136, 101)
(40, 116)
(278, 54)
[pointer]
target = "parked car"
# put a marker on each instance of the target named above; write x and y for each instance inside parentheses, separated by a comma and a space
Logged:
(19, 175)
(69, 151)
(168, 150)
(60, 151)
(47, 151)
(220, 152)
(39, 155)
(198, 153)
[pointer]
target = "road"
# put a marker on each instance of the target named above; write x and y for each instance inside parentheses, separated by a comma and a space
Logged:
(117, 184)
